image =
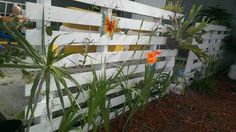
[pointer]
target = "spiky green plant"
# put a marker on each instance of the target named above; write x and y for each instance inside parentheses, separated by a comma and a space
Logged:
(207, 83)
(47, 70)
(217, 16)
(70, 118)
(98, 101)
(137, 97)
(184, 30)
(174, 6)
(162, 83)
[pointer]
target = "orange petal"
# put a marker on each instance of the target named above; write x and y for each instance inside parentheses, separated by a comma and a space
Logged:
(150, 55)
(151, 60)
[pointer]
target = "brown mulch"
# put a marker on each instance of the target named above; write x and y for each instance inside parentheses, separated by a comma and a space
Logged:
(191, 112)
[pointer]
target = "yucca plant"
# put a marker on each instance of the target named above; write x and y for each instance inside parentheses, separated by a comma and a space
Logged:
(184, 30)
(47, 70)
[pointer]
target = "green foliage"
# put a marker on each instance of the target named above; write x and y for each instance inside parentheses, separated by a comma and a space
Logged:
(70, 119)
(12, 54)
(206, 82)
(141, 95)
(98, 101)
(162, 83)
(184, 30)
(206, 85)
(44, 63)
(155, 84)
(217, 16)
(174, 6)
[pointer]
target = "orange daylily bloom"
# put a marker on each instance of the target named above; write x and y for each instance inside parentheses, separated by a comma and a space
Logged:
(151, 60)
(152, 56)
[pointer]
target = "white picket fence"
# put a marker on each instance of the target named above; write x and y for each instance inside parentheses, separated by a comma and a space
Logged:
(34, 11)
(212, 45)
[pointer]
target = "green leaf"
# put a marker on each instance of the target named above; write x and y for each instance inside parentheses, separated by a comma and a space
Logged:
(33, 93)
(49, 30)
(51, 52)
(48, 80)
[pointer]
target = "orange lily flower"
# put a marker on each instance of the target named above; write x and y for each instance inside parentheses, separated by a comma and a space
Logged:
(151, 56)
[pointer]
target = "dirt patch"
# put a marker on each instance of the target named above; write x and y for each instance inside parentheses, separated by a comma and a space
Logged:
(12, 94)
(191, 112)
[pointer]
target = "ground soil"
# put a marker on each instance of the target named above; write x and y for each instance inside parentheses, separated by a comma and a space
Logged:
(191, 112)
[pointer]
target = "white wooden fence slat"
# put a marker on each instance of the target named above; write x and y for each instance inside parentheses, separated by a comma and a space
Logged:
(33, 36)
(59, 14)
(41, 106)
(34, 11)
(98, 58)
(132, 7)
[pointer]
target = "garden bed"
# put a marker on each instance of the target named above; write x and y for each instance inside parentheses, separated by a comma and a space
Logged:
(193, 111)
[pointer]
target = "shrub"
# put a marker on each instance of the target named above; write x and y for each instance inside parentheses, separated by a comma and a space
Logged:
(206, 83)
